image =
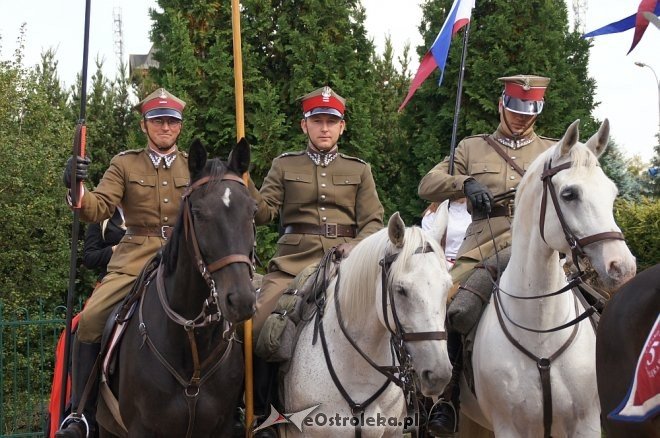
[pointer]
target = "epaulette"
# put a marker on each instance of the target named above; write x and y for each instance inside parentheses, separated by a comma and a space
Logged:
(131, 151)
(474, 136)
(348, 157)
(184, 153)
(291, 154)
(548, 138)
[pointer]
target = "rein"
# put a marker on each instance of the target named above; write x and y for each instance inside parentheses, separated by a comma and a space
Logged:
(576, 281)
(208, 316)
(575, 244)
(403, 374)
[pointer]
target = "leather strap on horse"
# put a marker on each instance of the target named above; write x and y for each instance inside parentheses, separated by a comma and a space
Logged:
(542, 363)
(503, 154)
(575, 244)
(356, 408)
(76, 412)
(191, 387)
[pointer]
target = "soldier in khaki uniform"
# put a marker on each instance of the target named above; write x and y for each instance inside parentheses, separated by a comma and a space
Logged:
(325, 199)
(482, 174)
(148, 183)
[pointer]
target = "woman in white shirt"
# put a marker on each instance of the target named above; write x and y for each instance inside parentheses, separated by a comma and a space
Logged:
(459, 219)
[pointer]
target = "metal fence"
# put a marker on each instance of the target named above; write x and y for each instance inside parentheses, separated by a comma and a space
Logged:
(27, 346)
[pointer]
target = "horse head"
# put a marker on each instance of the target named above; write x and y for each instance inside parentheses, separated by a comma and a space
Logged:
(576, 215)
(218, 215)
(417, 287)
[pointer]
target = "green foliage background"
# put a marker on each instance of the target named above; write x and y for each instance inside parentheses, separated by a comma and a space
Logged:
(290, 47)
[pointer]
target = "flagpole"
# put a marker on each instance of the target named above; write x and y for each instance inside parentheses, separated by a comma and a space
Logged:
(459, 92)
(240, 133)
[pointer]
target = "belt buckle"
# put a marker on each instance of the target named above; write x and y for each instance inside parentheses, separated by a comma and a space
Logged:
(331, 230)
(163, 231)
(510, 209)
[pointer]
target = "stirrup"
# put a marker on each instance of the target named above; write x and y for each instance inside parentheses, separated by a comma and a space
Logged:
(75, 418)
(451, 406)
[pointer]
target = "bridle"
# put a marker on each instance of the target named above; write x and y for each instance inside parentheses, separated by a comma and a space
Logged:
(577, 245)
(402, 374)
(210, 313)
(205, 269)
(577, 280)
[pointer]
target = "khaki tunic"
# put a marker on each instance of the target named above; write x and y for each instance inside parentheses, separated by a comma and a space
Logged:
(301, 192)
(150, 197)
(475, 158)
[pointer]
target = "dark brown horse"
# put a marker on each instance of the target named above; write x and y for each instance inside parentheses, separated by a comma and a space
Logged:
(179, 367)
(622, 331)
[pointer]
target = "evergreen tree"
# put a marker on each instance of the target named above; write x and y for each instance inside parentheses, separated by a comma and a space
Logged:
(112, 126)
(615, 166)
(506, 38)
(35, 134)
(290, 47)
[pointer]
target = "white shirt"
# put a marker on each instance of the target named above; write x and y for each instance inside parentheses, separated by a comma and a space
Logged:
(459, 219)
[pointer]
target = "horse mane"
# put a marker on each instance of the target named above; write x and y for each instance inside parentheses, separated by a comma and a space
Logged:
(216, 169)
(360, 273)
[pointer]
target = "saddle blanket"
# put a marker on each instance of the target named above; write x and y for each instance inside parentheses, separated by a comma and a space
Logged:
(643, 399)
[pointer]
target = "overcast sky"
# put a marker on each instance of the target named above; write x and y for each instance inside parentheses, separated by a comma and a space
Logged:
(628, 94)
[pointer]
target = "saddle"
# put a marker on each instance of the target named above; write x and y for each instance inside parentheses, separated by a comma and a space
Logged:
(108, 407)
(299, 303)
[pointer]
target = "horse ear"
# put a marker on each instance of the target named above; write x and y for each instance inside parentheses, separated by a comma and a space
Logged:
(396, 229)
(239, 158)
(598, 142)
(571, 137)
(441, 221)
(196, 158)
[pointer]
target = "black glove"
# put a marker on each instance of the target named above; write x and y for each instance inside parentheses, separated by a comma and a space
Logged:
(479, 196)
(82, 170)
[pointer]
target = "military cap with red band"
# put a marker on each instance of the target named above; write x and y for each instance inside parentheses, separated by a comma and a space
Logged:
(323, 101)
(161, 103)
(523, 94)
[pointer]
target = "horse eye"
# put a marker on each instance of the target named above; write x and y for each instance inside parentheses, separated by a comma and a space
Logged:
(569, 194)
(401, 291)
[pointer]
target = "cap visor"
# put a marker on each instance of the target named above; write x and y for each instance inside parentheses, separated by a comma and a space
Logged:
(324, 110)
(163, 112)
(520, 106)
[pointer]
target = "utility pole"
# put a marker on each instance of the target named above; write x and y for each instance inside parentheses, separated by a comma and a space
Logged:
(118, 33)
(641, 64)
(579, 12)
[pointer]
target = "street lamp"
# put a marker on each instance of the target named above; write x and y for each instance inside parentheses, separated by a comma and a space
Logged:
(641, 64)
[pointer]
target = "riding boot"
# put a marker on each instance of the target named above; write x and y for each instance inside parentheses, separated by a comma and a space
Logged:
(83, 360)
(265, 394)
(443, 418)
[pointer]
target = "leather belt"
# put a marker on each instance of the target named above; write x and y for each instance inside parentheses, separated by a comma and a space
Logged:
(497, 211)
(328, 230)
(165, 231)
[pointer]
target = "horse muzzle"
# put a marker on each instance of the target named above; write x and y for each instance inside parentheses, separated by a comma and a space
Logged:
(240, 304)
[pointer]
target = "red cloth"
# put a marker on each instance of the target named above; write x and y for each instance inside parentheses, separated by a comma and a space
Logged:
(56, 388)
(643, 399)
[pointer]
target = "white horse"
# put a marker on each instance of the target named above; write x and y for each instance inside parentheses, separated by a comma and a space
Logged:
(415, 297)
(511, 399)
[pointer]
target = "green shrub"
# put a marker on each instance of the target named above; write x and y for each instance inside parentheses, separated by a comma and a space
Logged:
(640, 223)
